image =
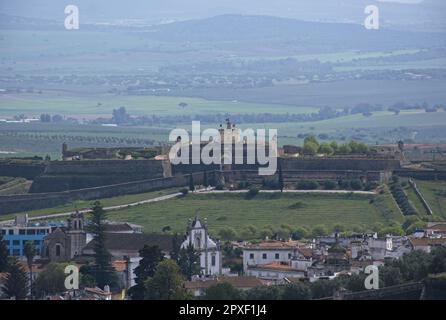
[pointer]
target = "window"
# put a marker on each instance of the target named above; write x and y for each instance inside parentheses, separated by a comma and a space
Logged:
(251, 256)
(15, 242)
(11, 232)
(37, 242)
(264, 256)
(289, 255)
(16, 252)
(22, 231)
(3, 231)
(277, 256)
(57, 250)
(31, 232)
(213, 261)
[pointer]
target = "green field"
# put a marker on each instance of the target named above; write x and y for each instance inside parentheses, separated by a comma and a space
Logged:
(103, 104)
(435, 194)
(264, 211)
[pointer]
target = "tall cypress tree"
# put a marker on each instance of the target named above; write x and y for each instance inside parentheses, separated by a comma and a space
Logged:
(189, 262)
(16, 281)
(176, 247)
(104, 273)
(3, 255)
(205, 179)
(281, 184)
(191, 183)
(30, 253)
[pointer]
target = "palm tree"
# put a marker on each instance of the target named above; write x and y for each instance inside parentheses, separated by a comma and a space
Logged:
(30, 253)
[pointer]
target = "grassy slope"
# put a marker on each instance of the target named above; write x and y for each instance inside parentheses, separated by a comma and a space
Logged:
(435, 194)
(84, 204)
(266, 210)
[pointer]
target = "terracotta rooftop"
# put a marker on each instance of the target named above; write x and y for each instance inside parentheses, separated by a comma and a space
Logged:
(273, 245)
(428, 242)
(275, 265)
(438, 227)
(237, 282)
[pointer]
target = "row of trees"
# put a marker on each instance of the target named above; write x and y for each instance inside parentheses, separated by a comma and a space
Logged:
(312, 147)
(401, 198)
(252, 232)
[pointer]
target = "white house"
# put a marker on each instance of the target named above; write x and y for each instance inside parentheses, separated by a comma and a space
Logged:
(209, 250)
(276, 260)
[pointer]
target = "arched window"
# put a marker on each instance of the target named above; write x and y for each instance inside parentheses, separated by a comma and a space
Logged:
(57, 250)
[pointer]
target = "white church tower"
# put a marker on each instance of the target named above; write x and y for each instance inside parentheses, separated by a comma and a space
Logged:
(209, 250)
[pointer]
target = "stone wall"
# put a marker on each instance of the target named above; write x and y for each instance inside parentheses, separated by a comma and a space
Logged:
(22, 169)
(422, 174)
(72, 175)
(25, 202)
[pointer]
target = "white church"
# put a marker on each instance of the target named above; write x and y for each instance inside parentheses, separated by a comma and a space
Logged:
(209, 250)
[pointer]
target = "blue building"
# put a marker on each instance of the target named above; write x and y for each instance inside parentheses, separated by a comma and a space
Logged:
(20, 231)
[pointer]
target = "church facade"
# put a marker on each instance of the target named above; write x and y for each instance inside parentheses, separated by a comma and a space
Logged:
(209, 250)
(63, 244)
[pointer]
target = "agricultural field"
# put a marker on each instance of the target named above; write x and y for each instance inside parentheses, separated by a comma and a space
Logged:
(101, 105)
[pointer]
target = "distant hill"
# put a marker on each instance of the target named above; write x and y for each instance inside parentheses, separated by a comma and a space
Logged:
(236, 28)
(18, 23)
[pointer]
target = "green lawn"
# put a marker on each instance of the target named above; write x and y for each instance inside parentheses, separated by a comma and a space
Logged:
(435, 194)
(264, 211)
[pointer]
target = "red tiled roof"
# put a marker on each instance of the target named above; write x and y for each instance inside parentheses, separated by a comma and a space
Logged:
(428, 242)
(273, 245)
(275, 265)
(438, 227)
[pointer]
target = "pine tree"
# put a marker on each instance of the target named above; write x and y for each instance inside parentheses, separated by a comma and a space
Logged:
(151, 257)
(3, 255)
(104, 273)
(16, 282)
(189, 262)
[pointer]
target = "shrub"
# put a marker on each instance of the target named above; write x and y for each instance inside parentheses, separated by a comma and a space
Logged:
(344, 184)
(307, 185)
(184, 191)
(243, 185)
(253, 191)
(356, 184)
(227, 233)
(271, 183)
(329, 185)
